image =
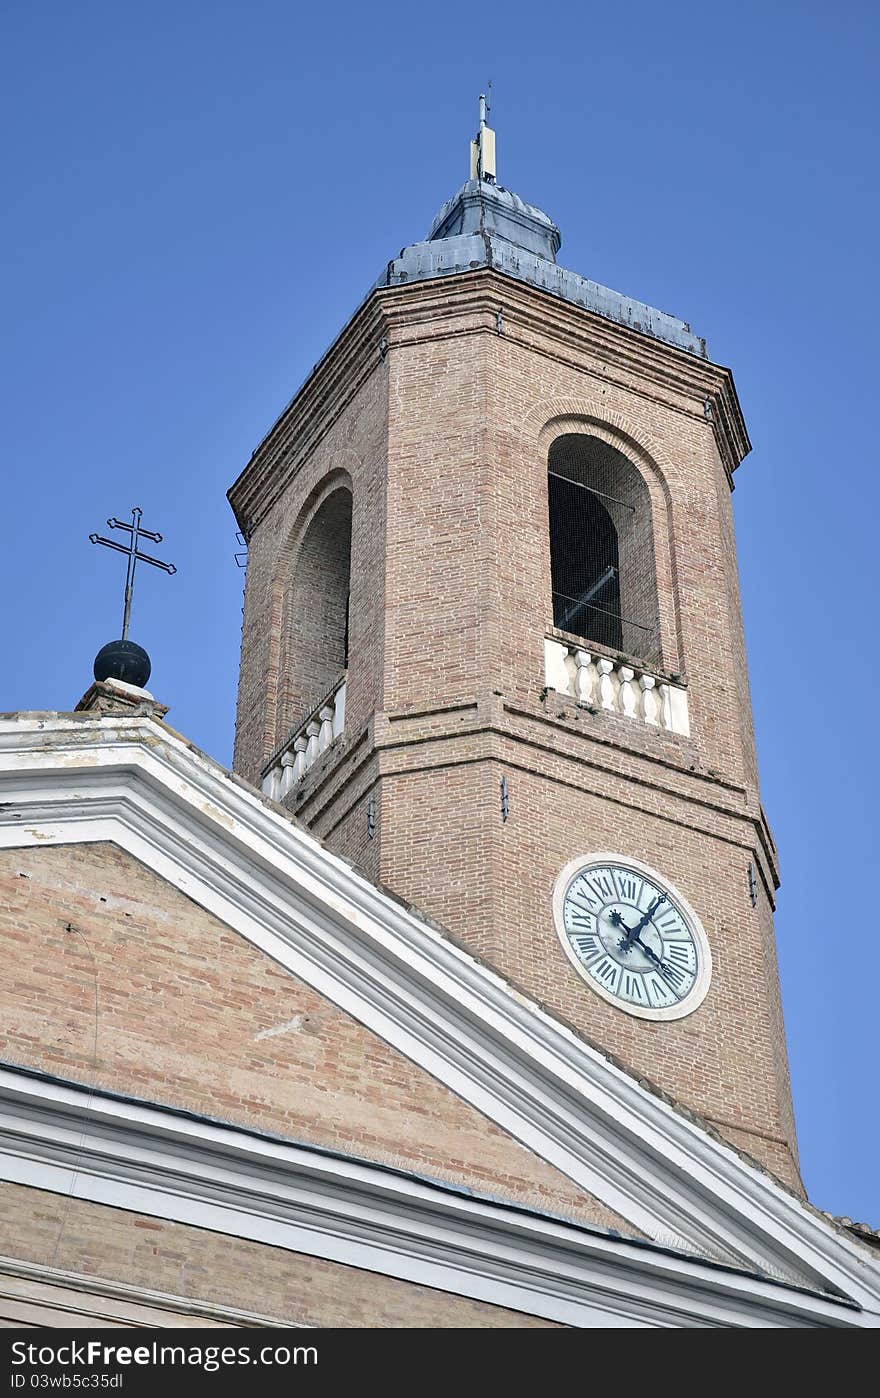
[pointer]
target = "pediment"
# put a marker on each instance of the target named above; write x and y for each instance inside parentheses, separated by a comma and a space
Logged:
(138, 786)
(128, 984)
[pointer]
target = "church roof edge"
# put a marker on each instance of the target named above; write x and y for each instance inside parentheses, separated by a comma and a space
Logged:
(434, 1182)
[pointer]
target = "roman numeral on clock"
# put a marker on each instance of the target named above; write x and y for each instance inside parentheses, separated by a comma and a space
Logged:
(628, 885)
(633, 987)
(584, 894)
(587, 946)
(605, 971)
(579, 917)
(673, 976)
(680, 953)
(659, 994)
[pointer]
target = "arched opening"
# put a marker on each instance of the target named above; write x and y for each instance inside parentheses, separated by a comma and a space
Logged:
(314, 650)
(602, 568)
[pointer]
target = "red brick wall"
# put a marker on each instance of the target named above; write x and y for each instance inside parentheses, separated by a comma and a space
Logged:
(351, 450)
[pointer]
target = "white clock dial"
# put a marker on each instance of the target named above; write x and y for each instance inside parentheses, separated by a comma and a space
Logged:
(632, 936)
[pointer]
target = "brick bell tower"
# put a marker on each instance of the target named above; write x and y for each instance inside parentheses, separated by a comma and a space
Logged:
(492, 648)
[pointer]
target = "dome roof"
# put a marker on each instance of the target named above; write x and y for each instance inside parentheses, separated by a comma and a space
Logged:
(481, 207)
(486, 225)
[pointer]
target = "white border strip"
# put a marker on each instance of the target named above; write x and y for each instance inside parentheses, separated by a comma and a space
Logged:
(127, 1155)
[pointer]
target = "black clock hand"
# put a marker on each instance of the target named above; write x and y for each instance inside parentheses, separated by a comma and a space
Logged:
(632, 933)
(617, 921)
(661, 965)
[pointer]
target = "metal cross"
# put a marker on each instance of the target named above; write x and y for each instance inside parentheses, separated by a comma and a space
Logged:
(136, 533)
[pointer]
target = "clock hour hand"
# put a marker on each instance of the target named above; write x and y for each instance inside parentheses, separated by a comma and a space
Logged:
(632, 935)
(617, 921)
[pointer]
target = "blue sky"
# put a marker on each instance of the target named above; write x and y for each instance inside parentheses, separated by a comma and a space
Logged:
(199, 194)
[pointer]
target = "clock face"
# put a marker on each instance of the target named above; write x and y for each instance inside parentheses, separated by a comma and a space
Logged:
(632, 936)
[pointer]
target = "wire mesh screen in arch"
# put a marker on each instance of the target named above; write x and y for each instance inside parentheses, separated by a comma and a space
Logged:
(601, 548)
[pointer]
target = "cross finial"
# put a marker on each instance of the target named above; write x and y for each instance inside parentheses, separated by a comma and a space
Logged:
(483, 146)
(136, 533)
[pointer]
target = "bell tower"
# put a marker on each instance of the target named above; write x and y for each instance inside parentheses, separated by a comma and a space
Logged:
(492, 648)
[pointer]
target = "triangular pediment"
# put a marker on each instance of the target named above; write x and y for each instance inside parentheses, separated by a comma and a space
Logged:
(135, 785)
(151, 997)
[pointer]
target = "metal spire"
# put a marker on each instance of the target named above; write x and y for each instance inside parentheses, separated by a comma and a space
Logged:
(483, 147)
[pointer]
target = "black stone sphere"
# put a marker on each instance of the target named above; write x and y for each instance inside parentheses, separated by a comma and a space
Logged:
(123, 660)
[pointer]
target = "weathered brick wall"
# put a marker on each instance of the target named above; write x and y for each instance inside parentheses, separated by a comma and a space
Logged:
(184, 1006)
(286, 1287)
(491, 883)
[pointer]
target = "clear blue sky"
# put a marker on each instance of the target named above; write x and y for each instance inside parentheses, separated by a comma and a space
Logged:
(199, 193)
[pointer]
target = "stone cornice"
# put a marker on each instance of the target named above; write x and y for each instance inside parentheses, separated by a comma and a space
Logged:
(392, 317)
(61, 1137)
(29, 1285)
(551, 326)
(67, 779)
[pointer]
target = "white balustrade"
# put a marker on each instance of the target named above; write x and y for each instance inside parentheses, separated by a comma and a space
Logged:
(602, 683)
(322, 727)
(313, 728)
(325, 736)
(627, 692)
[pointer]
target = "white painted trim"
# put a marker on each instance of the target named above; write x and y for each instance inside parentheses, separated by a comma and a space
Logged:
(132, 781)
(128, 1155)
(52, 1294)
(697, 993)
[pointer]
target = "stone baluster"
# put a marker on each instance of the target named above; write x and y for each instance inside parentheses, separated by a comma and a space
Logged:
(649, 700)
(270, 784)
(339, 710)
(628, 695)
(585, 678)
(570, 666)
(287, 774)
(606, 684)
(665, 706)
(313, 728)
(325, 734)
(299, 756)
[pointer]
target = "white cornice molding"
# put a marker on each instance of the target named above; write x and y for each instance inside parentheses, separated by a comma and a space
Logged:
(134, 782)
(128, 1155)
(36, 1290)
(431, 304)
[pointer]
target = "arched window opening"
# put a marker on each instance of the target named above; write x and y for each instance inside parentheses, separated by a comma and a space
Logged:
(315, 629)
(602, 567)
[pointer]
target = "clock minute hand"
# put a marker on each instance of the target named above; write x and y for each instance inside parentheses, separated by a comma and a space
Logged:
(660, 964)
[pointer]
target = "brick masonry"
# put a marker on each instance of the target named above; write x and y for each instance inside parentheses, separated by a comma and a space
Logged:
(444, 433)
